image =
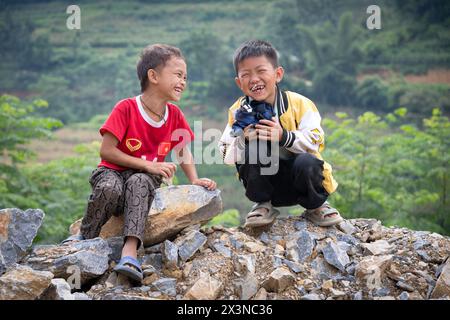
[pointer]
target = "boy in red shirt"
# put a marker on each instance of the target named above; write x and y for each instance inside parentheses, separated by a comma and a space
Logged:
(137, 136)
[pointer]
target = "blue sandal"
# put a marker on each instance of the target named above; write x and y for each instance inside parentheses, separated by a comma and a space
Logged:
(123, 267)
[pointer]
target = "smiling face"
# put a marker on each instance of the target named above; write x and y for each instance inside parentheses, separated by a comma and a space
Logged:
(257, 78)
(170, 80)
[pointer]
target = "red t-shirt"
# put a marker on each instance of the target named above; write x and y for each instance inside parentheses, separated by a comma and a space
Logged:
(142, 137)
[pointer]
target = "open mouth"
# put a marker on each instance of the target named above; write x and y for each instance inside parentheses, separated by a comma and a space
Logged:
(257, 88)
(179, 90)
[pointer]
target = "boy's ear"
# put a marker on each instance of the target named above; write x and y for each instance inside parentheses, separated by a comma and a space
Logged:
(152, 76)
(279, 73)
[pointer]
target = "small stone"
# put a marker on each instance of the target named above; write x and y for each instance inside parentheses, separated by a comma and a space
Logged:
(404, 286)
(264, 238)
(358, 296)
(169, 251)
(58, 290)
(235, 242)
(247, 287)
(442, 288)
(194, 241)
(260, 295)
(311, 296)
(81, 296)
(327, 285)
(300, 247)
(295, 267)
(424, 255)
(154, 249)
(300, 225)
(145, 288)
(279, 280)
(381, 292)
(371, 268)
(166, 286)
(244, 263)
(346, 227)
(376, 248)
(155, 260)
(205, 288)
(403, 296)
(220, 247)
(254, 247)
(149, 270)
(335, 256)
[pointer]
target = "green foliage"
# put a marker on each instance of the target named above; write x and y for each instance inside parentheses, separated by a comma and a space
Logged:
(391, 170)
(19, 125)
(229, 218)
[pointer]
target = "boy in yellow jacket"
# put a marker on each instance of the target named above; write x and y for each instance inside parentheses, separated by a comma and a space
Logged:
(301, 175)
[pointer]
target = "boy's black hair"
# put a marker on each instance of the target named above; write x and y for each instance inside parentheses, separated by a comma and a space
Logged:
(152, 57)
(255, 48)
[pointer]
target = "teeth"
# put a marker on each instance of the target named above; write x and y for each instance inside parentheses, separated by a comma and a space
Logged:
(257, 87)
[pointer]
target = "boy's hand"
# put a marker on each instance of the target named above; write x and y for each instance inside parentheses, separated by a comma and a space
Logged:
(205, 182)
(165, 169)
(269, 130)
(250, 133)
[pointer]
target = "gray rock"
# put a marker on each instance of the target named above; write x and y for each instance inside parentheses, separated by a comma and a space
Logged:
(277, 261)
(169, 254)
(358, 296)
(58, 290)
(264, 238)
(403, 296)
(404, 286)
(247, 287)
(166, 286)
(81, 296)
(346, 227)
(300, 246)
(344, 246)
(324, 270)
(235, 243)
(88, 259)
(193, 241)
(17, 231)
(218, 246)
(279, 280)
(295, 267)
(442, 288)
(347, 238)
(244, 264)
(379, 247)
(155, 260)
(23, 283)
(300, 225)
(424, 255)
(381, 292)
(420, 243)
(154, 249)
(311, 296)
(335, 256)
(116, 245)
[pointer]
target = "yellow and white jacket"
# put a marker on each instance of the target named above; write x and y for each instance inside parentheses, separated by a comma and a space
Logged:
(300, 120)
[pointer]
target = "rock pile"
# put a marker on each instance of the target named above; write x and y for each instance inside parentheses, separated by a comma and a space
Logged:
(292, 259)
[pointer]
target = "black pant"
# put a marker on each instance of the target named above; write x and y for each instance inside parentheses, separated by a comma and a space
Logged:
(298, 181)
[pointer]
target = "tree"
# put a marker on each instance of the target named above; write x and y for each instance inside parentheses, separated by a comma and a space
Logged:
(19, 125)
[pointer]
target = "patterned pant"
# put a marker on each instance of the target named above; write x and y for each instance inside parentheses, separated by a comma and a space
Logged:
(129, 192)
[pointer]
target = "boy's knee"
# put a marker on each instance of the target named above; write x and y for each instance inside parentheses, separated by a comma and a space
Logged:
(110, 189)
(142, 180)
(307, 163)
